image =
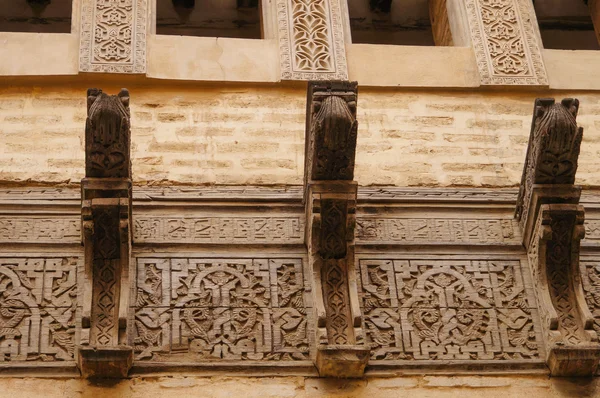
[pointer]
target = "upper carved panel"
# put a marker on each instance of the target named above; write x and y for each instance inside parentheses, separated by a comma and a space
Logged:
(311, 42)
(107, 135)
(506, 42)
(331, 131)
(553, 149)
(113, 36)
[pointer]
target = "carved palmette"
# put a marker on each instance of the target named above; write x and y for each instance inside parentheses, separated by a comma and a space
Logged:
(553, 151)
(107, 135)
(552, 222)
(332, 130)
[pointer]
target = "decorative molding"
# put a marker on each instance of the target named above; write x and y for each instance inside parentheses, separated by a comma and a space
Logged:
(220, 309)
(506, 41)
(38, 308)
(113, 36)
(448, 310)
(311, 40)
(143, 195)
(439, 231)
(219, 230)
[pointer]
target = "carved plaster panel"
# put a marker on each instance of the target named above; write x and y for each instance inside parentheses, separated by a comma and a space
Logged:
(311, 40)
(380, 230)
(505, 38)
(38, 308)
(227, 230)
(113, 36)
(207, 309)
(440, 309)
(61, 229)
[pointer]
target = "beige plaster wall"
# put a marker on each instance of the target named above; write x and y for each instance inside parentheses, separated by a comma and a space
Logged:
(245, 134)
(301, 387)
(39, 54)
(212, 58)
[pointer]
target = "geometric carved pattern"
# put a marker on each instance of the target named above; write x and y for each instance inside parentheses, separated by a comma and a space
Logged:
(311, 41)
(505, 39)
(38, 302)
(437, 230)
(449, 310)
(229, 230)
(199, 309)
(113, 36)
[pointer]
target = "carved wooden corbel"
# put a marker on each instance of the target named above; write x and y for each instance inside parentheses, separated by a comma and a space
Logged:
(330, 197)
(106, 226)
(552, 222)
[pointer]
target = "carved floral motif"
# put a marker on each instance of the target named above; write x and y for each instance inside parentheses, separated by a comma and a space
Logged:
(113, 36)
(505, 39)
(311, 40)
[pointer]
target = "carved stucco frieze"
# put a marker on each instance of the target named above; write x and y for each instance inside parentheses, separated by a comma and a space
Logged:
(113, 36)
(506, 41)
(449, 310)
(106, 232)
(311, 40)
(38, 308)
(220, 309)
(553, 227)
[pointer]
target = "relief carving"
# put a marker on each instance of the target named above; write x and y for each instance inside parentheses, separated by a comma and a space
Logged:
(330, 196)
(437, 231)
(311, 42)
(553, 227)
(506, 41)
(113, 36)
(459, 310)
(38, 308)
(226, 230)
(220, 309)
(106, 226)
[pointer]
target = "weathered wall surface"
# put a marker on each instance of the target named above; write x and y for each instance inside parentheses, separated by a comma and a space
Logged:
(300, 387)
(241, 134)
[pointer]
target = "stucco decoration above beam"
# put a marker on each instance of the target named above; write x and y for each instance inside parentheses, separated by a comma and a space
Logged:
(311, 40)
(506, 41)
(113, 36)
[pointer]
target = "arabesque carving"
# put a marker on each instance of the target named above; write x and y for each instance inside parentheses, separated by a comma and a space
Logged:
(38, 308)
(113, 36)
(506, 41)
(330, 197)
(221, 309)
(448, 310)
(553, 223)
(311, 40)
(106, 226)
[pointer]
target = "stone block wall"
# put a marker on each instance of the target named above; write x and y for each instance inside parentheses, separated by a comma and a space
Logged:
(240, 134)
